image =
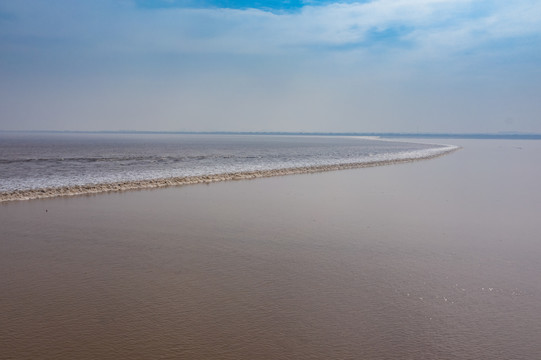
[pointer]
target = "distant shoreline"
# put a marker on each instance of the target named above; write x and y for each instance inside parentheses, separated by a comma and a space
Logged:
(497, 136)
(91, 189)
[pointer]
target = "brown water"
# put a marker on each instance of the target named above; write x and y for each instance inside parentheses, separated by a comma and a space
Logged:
(436, 259)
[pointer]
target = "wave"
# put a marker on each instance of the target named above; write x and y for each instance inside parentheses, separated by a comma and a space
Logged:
(119, 159)
(88, 189)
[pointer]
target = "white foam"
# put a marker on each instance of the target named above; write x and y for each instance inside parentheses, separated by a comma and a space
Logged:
(238, 172)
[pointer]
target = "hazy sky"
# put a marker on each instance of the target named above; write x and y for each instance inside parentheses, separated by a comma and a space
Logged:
(271, 65)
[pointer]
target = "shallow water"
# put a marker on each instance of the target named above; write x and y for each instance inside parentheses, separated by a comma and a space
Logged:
(428, 260)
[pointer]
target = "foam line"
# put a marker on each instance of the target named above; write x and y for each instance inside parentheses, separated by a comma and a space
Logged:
(30, 194)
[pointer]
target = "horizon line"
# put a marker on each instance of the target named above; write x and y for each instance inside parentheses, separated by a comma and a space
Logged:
(488, 135)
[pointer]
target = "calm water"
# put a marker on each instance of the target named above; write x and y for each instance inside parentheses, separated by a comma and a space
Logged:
(436, 259)
(34, 161)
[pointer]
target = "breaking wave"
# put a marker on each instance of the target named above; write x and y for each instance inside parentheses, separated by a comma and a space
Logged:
(95, 188)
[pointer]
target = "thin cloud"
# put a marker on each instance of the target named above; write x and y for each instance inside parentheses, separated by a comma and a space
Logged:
(378, 65)
(434, 25)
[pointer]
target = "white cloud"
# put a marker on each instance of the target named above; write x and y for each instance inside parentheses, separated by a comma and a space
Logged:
(433, 25)
(321, 68)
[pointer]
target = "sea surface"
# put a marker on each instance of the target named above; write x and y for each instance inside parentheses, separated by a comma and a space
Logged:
(434, 259)
(38, 161)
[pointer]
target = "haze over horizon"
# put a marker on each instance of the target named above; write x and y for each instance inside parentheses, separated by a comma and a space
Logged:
(458, 66)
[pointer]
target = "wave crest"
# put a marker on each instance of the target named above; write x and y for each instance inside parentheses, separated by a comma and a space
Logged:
(89, 189)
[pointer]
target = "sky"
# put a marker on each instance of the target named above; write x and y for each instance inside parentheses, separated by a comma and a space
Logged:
(271, 65)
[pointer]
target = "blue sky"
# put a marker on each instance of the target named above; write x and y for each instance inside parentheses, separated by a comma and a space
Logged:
(267, 5)
(381, 65)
